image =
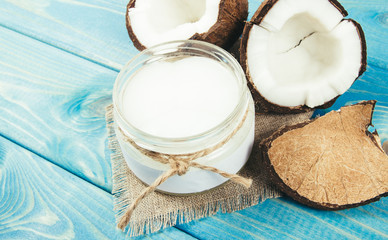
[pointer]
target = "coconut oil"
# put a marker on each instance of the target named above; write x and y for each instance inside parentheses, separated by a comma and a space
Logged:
(178, 98)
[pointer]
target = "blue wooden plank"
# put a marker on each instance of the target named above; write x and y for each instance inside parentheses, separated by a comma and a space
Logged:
(373, 84)
(60, 87)
(285, 219)
(373, 17)
(53, 103)
(39, 200)
(96, 30)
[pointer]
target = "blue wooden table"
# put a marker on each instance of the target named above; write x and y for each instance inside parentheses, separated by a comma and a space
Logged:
(58, 63)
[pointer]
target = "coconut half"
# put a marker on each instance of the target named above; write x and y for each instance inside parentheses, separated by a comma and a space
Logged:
(301, 54)
(332, 162)
(150, 22)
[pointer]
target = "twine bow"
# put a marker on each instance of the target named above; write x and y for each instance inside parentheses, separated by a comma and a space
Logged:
(179, 165)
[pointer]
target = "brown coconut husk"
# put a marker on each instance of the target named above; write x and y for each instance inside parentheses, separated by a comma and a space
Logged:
(332, 162)
(261, 103)
(224, 33)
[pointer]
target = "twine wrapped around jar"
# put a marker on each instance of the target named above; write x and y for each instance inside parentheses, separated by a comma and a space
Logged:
(179, 165)
(158, 210)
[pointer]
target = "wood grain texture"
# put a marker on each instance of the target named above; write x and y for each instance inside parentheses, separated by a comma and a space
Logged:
(372, 85)
(52, 97)
(373, 17)
(285, 219)
(53, 103)
(95, 30)
(39, 200)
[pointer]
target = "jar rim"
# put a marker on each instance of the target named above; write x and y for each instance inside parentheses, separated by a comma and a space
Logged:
(148, 138)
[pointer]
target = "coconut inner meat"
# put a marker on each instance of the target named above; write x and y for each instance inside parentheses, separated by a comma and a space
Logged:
(157, 21)
(303, 54)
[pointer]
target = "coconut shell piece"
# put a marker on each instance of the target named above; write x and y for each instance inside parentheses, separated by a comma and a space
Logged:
(332, 162)
(224, 33)
(262, 103)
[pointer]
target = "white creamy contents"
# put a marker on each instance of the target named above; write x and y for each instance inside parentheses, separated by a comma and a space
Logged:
(181, 98)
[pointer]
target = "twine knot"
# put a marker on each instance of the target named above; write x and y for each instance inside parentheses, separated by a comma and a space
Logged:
(181, 167)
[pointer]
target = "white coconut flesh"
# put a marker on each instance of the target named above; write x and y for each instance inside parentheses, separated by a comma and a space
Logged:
(303, 53)
(157, 21)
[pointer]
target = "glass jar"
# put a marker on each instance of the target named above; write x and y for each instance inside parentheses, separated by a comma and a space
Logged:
(230, 157)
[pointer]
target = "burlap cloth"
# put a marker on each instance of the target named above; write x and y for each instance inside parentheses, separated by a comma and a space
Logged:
(159, 210)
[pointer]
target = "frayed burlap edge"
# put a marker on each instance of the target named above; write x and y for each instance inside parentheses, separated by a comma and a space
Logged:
(122, 175)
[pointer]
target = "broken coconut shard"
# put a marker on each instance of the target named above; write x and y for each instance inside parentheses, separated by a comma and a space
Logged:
(299, 55)
(332, 162)
(150, 22)
(184, 105)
